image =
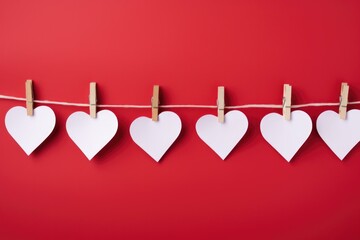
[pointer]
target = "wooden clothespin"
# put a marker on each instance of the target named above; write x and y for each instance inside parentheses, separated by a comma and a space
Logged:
(221, 104)
(29, 97)
(287, 102)
(155, 103)
(92, 99)
(343, 100)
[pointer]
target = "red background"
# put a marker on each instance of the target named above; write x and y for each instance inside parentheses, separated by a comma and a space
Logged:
(189, 48)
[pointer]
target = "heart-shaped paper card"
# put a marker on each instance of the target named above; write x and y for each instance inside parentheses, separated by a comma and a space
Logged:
(286, 136)
(91, 134)
(222, 137)
(340, 135)
(30, 131)
(156, 137)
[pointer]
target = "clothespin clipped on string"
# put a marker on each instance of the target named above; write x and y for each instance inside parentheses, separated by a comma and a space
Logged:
(221, 104)
(343, 100)
(92, 100)
(287, 102)
(29, 97)
(155, 104)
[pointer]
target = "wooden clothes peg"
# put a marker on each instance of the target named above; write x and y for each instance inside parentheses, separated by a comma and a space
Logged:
(155, 104)
(221, 104)
(29, 97)
(287, 102)
(344, 93)
(92, 99)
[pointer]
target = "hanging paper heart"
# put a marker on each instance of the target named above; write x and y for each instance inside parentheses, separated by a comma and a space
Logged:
(30, 131)
(340, 135)
(286, 136)
(156, 137)
(91, 134)
(222, 137)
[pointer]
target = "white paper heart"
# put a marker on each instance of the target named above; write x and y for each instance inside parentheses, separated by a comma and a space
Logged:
(222, 137)
(91, 134)
(30, 131)
(155, 138)
(340, 135)
(286, 136)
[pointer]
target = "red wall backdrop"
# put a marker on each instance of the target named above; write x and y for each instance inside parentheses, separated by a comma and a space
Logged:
(189, 48)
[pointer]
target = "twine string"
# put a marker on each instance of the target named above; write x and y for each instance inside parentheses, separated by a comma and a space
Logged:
(49, 102)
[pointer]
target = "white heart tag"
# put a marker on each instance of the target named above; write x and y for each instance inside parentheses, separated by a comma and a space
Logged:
(340, 135)
(286, 136)
(91, 134)
(222, 137)
(30, 131)
(155, 138)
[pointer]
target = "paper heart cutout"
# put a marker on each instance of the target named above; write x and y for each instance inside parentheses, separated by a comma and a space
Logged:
(340, 135)
(30, 131)
(286, 136)
(155, 138)
(91, 134)
(222, 137)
